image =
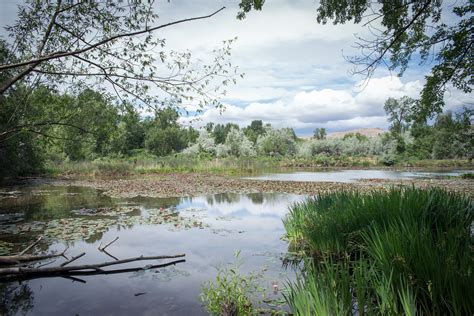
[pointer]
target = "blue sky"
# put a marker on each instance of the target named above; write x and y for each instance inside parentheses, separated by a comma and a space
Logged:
(295, 72)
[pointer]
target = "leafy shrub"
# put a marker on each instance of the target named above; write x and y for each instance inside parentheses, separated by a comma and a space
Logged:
(277, 143)
(238, 144)
(350, 146)
(232, 292)
(204, 144)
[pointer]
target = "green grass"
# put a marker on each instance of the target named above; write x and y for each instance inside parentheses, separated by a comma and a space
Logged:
(405, 251)
(149, 164)
(178, 164)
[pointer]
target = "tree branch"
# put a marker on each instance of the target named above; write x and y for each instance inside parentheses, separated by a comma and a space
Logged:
(60, 54)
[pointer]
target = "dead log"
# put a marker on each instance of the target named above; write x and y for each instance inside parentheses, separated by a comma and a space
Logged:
(71, 274)
(25, 271)
(18, 259)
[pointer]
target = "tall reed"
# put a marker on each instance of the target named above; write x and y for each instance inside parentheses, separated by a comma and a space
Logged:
(403, 251)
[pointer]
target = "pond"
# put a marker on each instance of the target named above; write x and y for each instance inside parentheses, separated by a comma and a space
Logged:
(209, 231)
(349, 176)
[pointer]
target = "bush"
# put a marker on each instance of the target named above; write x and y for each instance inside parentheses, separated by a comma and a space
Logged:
(232, 292)
(350, 146)
(277, 143)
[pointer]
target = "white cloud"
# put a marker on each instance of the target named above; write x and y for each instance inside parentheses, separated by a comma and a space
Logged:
(335, 109)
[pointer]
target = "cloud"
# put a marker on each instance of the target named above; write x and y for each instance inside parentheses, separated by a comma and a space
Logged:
(334, 109)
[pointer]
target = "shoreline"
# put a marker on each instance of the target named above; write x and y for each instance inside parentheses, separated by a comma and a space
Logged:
(194, 184)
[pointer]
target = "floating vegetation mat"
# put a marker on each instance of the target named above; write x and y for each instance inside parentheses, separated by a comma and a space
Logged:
(105, 211)
(5, 248)
(91, 222)
(11, 218)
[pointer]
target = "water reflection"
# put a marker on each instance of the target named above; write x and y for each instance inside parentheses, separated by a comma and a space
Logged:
(354, 175)
(249, 222)
(15, 299)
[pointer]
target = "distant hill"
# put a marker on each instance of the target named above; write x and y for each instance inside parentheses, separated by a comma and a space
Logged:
(369, 132)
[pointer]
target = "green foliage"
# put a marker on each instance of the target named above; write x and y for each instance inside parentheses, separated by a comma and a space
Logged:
(130, 133)
(254, 130)
(319, 133)
(220, 132)
(232, 292)
(238, 144)
(468, 176)
(112, 47)
(350, 145)
(164, 135)
(400, 113)
(400, 251)
(277, 142)
(358, 136)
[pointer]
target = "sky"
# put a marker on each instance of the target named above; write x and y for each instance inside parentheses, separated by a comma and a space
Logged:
(295, 71)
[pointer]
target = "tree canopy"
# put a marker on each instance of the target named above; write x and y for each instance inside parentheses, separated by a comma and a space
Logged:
(110, 45)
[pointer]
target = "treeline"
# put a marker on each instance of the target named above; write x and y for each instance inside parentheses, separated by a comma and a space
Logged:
(449, 136)
(42, 126)
(46, 126)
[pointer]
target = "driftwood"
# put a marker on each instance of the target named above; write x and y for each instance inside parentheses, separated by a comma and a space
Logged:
(22, 258)
(70, 274)
(110, 243)
(19, 270)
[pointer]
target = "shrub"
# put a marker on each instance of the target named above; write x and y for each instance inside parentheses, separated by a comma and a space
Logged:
(232, 292)
(277, 143)
(238, 144)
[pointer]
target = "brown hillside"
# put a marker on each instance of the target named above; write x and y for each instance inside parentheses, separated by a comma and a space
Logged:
(369, 132)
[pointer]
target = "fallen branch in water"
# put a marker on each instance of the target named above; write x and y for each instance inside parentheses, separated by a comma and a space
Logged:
(31, 246)
(22, 273)
(72, 259)
(71, 274)
(110, 243)
(21, 258)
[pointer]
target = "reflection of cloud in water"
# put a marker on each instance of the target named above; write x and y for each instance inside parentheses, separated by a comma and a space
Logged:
(247, 222)
(242, 205)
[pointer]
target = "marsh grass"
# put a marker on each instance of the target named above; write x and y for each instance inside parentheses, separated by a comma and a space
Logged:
(171, 164)
(404, 251)
(144, 163)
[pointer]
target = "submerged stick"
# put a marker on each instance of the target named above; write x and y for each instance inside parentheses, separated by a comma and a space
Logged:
(110, 243)
(31, 246)
(17, 259)
(72, 259)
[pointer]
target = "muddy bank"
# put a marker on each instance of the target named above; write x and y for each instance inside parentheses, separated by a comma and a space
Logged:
(192, 184)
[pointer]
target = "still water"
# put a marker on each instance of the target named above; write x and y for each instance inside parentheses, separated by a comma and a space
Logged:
(348, 176)
(247, 222)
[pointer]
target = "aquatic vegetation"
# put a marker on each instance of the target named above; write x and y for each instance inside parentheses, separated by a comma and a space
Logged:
(404, 251)
(89, 223)
(5, 247)
(232, 291)
(104, 211)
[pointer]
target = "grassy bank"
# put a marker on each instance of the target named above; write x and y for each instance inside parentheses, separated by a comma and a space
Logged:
(397, 252)
(228, 166)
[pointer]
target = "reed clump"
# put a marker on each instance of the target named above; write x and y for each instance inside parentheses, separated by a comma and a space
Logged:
(402, 251)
